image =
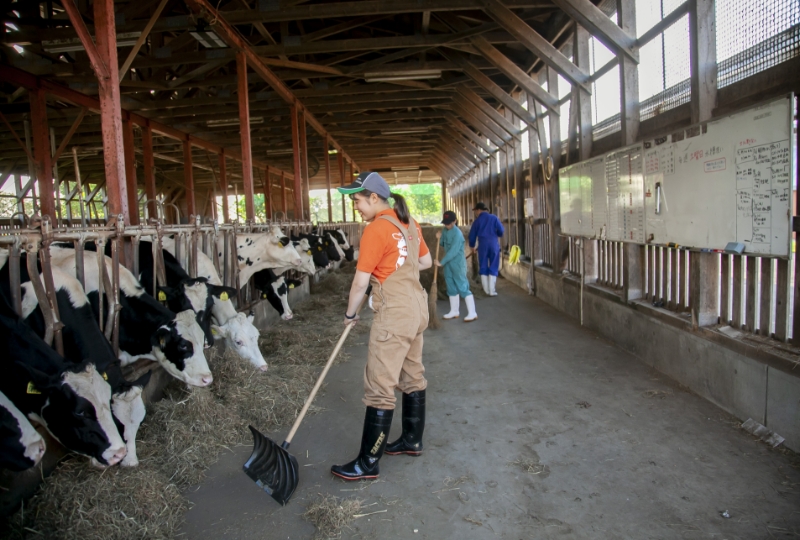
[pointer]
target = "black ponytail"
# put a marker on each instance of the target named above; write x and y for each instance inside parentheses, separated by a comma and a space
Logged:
(400, 207)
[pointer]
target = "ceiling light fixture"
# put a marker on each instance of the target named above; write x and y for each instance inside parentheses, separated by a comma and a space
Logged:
(398, 169)
(233, 122)
(207, 38)
(410, 154)
(280, 152)
(406, 75)
(124, 39)
(404, 131)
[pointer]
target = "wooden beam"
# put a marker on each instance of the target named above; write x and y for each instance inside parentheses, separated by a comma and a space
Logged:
(244, 132)
(298, 180)
(41, 153)
(73, 128)
(582, 99)
(342, 183)
(490, 86)
(630, 113)
(479, 125)
(538, 45)
(188, 178)
(223, 184)
(467, 132)
(141, 39)
(328, 178)
(130, 171)
(149, 171)
(703, 57)
(305, 196)
(487, 109)
(470, 108)
(97, 60)
(612, 36)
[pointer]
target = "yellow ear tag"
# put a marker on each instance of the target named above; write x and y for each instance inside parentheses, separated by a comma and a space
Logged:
(319, 248)
(214, 332)
(32, 389)
(162, 296)
(162, 342)
(263, 295)
(291, 285)
(223, 296)
(309, 252)
(105, 376)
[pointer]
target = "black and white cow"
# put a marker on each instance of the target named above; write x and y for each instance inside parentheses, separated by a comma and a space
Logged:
(320, 247)
(21, 446)
(72, 401)
(344, 243)
(182, 292)
(274, 288)
(262, 250)
(147, 329)
(83, 341)
(236, 328)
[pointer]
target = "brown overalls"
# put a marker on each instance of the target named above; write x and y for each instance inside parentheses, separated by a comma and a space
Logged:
(395, 341)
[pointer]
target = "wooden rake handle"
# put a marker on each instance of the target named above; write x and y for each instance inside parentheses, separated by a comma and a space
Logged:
(436, 268)
(322, 375)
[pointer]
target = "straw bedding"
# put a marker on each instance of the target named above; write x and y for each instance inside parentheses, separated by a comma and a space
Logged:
(184, 433)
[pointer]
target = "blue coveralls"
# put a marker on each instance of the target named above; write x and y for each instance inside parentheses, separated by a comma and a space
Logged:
(486, 229)
(454, 263)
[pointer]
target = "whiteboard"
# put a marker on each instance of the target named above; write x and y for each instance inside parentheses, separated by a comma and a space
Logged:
(729, 180)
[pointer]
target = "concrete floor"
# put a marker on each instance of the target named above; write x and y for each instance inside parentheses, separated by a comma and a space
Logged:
(617, 450)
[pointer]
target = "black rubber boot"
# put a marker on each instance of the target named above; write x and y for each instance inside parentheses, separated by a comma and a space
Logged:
(373, 441)
(410, 442)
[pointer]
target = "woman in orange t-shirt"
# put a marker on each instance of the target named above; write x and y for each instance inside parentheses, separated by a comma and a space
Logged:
(391, 254)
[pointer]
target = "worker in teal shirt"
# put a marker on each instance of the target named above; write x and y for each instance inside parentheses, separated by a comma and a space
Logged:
(455, 268)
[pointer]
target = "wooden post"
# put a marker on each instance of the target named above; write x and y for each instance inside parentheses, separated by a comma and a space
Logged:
(223, 186)
(41, 153)
(130, 171)
(351, 178)
(704, 286)
(188, 178)
(553, 199)
(304, 192)
(283, 194)
(149, 171)
(703, 58)
(343, 183)
(584, 100)
(298, 180)
(628, 75)
(244, 133)
(111, 109)
(328, 178)
(267, 193)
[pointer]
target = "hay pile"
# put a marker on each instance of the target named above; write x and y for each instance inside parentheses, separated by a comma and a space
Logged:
(185, 432)
(330, 514)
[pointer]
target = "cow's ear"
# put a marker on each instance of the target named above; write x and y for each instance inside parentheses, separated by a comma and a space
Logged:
(250, 317)
(161, 337)
(165, 294)
(221, 292)
(219, 330)
(39, 380)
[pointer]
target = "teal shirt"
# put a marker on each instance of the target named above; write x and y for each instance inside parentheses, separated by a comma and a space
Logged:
(453, 242)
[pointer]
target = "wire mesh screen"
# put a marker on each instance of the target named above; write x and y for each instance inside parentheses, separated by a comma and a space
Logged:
(754, 36)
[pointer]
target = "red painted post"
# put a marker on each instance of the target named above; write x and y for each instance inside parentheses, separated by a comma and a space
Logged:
(283, 193)
(223, 186)
(298, 181)
(111, 109)
(328, 178)
(41, 152)
(130, 171)
(149, 170)
(304, 195)
(267, 193)
(350, 180)
(244, 131)
(343, 183)
(188, 178)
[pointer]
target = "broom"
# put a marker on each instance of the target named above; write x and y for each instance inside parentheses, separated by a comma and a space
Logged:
(433, 319)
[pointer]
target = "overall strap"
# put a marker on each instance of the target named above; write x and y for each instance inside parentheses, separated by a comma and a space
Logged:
(404, 231)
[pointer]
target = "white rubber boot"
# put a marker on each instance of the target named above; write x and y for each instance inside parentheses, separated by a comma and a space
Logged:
(453, 308)
(471, 314)
(485, 283)
(492, 282)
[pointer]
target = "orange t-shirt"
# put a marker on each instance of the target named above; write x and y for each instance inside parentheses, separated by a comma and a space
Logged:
(383, 247)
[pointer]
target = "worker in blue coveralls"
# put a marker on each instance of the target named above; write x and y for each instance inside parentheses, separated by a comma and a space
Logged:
(455, 268)
(487, 230)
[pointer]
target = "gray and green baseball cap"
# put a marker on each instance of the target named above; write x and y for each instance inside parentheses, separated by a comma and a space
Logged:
(371, 181)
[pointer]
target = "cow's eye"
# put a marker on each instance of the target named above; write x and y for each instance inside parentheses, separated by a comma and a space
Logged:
(79, 414)
(239, 343)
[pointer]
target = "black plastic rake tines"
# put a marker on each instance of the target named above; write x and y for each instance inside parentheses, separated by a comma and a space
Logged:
(272, 468)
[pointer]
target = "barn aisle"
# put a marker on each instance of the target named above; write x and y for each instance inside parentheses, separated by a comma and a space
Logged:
(536, 429)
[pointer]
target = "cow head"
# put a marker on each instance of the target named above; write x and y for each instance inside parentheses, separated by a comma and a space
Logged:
(129, 411)
(21, 446)
(341, 237)
(307, 265)
(78, 411)
(242, 337)
(178, 347)
(276, 236)
(196, 295)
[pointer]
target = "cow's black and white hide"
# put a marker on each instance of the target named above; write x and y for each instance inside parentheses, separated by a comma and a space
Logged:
(258, 251)
(83, 340)
(274, 288)
(72, 401)
(147, 329)
(21, 446)
(240, 335)
(321, 249)
(182, 292)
